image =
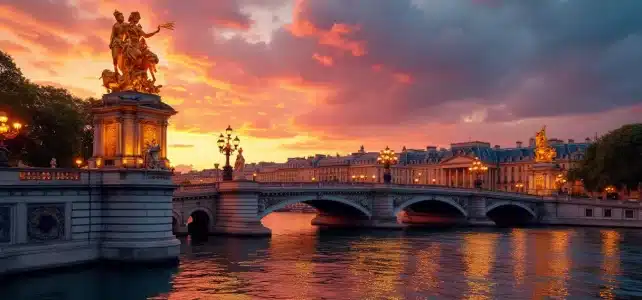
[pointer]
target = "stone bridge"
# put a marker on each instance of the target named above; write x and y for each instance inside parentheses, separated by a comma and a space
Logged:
(237, 207)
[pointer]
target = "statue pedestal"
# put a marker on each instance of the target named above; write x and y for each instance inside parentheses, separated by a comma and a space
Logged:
(541, 179)
(124, 125)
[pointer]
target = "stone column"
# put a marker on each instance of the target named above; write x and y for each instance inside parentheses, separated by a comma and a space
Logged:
(119, 140)
(99, 145)
(163, 135)
(237, 211)
(128, 135)
(137, 137)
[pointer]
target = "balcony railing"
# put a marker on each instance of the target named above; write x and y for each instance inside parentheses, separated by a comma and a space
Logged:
(49, 175)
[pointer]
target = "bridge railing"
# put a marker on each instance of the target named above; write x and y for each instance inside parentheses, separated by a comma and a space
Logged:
(198, 187)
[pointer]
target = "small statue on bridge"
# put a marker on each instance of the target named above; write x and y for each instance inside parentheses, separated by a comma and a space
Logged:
(53, 163)
(152, 156)
(239, 165)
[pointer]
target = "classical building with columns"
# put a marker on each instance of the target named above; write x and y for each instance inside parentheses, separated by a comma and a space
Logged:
(509, 168)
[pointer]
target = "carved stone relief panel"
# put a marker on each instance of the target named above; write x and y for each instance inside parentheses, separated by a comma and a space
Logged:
(46, 222)
(150, 134)
(111, 139)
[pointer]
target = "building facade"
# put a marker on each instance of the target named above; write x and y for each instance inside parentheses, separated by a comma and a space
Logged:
(509, 169)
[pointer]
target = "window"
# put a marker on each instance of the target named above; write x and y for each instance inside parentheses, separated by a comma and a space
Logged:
(628, 214)
(607, 212)
(588, 212)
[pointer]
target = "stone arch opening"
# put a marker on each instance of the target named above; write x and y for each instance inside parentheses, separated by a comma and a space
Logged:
(433, 211)
(331, 211)
(511, 215)
(199, 224)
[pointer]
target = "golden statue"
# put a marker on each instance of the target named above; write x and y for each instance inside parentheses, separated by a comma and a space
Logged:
(131, 56)
(543, 152)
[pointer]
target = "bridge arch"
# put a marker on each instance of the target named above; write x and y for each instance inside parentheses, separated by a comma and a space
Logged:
(202, 221)
(310, 200)
(510, 213)
(441, 199)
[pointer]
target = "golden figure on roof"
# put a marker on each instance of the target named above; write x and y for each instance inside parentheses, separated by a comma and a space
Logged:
(543, 152)
(131, 57)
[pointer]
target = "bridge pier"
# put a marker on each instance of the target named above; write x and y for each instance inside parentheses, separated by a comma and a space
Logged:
(236, 212)
(383, 211)
(477, 212)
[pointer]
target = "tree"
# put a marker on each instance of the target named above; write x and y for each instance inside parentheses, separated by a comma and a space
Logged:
(56, 121)
(614, 159)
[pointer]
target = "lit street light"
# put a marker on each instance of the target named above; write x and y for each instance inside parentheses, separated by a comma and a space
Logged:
(7, 132)
(78, 162)
(519, 186)
(478, 168)
(228, 146)
(387, 157)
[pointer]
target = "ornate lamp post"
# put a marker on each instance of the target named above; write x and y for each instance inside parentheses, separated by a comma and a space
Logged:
(227, 146)
(387, 158)
(7, 132)
(478, 168)
(560, 181)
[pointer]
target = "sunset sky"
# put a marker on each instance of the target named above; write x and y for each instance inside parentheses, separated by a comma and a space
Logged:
(302, 77)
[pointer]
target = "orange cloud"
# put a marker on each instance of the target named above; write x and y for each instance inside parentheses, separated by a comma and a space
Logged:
(322, 59)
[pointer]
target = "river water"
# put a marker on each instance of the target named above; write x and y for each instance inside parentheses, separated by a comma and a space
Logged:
(301, 262)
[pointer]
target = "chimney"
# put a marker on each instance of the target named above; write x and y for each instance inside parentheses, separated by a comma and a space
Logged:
(531, 142)
(431, 148)
(587, 140)
(519, 144)
(571, 141)
(497, 147)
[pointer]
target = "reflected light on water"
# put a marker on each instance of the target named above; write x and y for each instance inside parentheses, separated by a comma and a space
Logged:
(426, 275)
(518, 254)
(559, 264)
(377, 267)
(610, 263)
(479, 256)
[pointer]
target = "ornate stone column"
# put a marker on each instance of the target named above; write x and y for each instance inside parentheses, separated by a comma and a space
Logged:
(163, 135)
(119, 139)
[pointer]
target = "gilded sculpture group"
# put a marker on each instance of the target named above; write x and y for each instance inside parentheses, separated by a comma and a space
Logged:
(132, 58)
(543, 152)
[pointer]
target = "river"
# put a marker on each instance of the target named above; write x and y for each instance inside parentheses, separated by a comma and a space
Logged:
(301, 262)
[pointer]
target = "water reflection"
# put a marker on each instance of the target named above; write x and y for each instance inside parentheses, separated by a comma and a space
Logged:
(610, 263)
(300, 262)
(479, 256)
(518, 254)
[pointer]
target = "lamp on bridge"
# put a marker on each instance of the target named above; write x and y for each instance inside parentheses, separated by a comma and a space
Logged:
(78, 162)
(478, 168)
(519, 186)
(228, 146)
(387, 157)
(560, 181)
(7, 132)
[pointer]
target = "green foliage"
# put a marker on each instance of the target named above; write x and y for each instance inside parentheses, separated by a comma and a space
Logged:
(56, 122)
(615, 159)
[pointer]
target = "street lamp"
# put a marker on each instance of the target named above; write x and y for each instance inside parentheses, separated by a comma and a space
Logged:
(7, 132)
(254, 176)
(560, 181)
(387, 157)
(478, 168)
(519, 186)
(228, 146)
(78, 162)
